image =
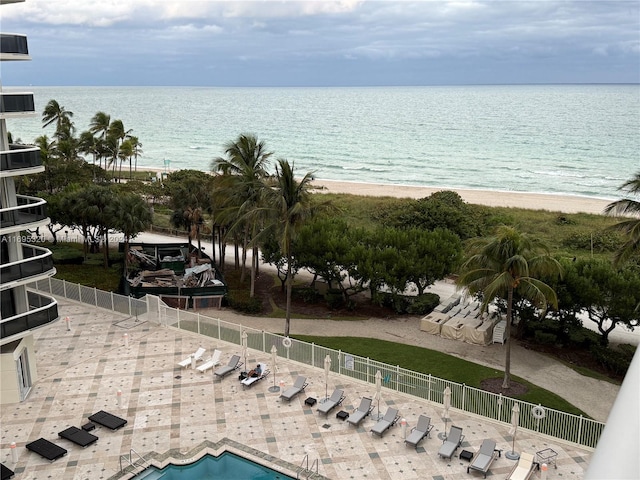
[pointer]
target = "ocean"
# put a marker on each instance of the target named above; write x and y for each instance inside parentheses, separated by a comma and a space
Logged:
(561, 139)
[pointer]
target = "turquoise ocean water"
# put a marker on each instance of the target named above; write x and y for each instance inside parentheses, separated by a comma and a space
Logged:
(562, 139)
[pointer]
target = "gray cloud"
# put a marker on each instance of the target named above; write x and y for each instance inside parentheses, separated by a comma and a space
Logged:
(335, 43)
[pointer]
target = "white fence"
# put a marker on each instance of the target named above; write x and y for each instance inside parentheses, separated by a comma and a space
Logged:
(561, 425)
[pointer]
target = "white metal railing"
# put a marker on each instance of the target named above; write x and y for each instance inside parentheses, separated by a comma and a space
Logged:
(135, 463)
(574, 429)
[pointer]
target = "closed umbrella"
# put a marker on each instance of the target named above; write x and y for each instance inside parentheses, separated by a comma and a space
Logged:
(274, 362)
(378, 390)
(244, 347)
(445, 411)
(515, 420)
(327, 369)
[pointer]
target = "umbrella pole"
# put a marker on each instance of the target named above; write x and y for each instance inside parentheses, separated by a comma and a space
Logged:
(513, 455)
(443, 435)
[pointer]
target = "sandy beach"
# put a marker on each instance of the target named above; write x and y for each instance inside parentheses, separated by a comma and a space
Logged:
(489, 198)
(535, 201)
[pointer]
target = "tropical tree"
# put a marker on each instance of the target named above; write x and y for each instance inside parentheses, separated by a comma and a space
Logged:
(630, 227)
(132, 215)
(136, 147)
(509, 262)
(56, 113)
(290, 205)
(240, 190)
(99, 126)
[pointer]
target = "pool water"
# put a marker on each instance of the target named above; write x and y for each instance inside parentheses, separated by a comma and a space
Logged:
(225, 467)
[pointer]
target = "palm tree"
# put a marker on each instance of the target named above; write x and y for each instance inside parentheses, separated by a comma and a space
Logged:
(137, 151)
(291, 205)
(630, 227)
(99, 126)
(509, 262)
(241, 185)
(54, 112)
(132, 216)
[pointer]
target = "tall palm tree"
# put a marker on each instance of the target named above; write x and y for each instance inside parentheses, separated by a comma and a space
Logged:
(54, 112)
(290, 203)
(630, 227)
(137, 151)
(99, 126)
(243, 172)
(509, 262)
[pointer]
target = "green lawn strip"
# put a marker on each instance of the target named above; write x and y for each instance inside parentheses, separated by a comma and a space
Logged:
(438, 364)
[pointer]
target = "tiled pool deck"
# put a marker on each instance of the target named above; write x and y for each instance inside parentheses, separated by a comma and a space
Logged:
(174, 410)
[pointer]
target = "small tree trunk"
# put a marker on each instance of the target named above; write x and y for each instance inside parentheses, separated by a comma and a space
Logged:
(288, 307)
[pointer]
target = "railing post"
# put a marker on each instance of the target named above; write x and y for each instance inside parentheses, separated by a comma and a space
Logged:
(579, 437)
(313, 354)
(397, 378)
(464, 394)
(264, 341)
(64, 288)
(198, 322)
(95, 296)
(339, 362)
(219, 332)
(113, 306)
(429, 389)
(369, 370)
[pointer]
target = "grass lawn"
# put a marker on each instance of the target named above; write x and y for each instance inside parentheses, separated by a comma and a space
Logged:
(437, 364)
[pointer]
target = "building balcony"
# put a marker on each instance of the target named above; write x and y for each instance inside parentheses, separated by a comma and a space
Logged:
(20, 160)
(37, 262)
(30, 212)
(17, 105)
(13, 47)
(43, 310)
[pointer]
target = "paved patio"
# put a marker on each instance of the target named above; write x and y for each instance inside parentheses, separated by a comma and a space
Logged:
(177, 412)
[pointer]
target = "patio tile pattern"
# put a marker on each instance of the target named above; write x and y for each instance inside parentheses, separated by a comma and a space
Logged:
(174, 410)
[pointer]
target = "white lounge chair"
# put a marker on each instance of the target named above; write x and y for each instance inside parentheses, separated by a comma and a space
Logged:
(197, 355)
(389, 420)
(363, 410)
(249, 381)
(524, 468)
(234, 364)
(421, 430)
(451, 443)
(298, 386)
(333, 401)
(212, 361)
(482, 460)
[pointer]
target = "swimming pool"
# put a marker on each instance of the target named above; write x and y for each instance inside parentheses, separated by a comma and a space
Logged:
(225, 467)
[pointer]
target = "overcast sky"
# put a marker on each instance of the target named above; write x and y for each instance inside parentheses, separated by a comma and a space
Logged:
(317, 43)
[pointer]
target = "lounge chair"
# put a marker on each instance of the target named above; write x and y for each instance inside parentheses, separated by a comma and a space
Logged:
(298, 386)
(249, 381)
(524, 468)
(421, 430)
(212, 361)
(46, 449)
(451, 443)
(333, 401)
(363, 410)
(482, 460)
(108, 420)
(78, 436)
(234, 364)
(5, 472)
(385, 423)
(197, 355)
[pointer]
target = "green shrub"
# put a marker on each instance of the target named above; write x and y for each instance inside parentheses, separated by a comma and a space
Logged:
(307, 294)
(424, 304)
(616, 361)
(545, 338)
(334, 298)
(67, 255)
(583, 337)
(241, 301)
(599, 241)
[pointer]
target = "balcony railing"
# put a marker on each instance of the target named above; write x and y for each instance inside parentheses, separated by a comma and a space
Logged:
(36, 261)
(13, 46)
(42, 311)
(19, 157)
(30, 210)
(16, 104)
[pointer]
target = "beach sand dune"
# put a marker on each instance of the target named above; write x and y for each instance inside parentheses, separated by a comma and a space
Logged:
(534, 201)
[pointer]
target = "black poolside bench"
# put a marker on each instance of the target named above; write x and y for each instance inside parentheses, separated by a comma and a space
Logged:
(46, 449)
(78, 436)
(108, 420)
(5, 472)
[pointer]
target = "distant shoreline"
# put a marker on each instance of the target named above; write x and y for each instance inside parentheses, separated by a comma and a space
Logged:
(490, 198)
